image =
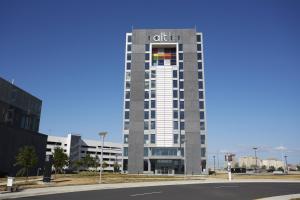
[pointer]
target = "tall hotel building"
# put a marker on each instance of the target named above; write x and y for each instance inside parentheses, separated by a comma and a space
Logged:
(164, 128)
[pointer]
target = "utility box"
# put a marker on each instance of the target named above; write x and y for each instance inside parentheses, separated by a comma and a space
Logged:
(10, 183)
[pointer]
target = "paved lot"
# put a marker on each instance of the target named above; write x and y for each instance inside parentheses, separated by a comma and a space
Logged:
(183, 192)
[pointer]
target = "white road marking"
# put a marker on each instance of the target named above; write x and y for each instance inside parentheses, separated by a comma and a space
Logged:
(227, 186)
(134, 195)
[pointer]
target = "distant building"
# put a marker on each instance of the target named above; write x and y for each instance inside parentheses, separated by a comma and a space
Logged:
(249, 162)
(272, 162)
(77, 148)
(19, 125)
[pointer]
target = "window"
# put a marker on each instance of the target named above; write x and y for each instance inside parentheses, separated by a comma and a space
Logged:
(146, 74)
(201, 115)
(127, 75)
(125, 151)
(127, 85)
(180, 56)
(181, 115)
(152, 83)
(175, 104)
(198, 47)
(203, 152)
(202, 126)
(199, 65)
(181, 65)
(128, 56)
(181, 84)
(175, 114)
(199, 56)
(152, 139)
(125, 139)
(128, 66)
(153, 94)
(198, 38)
(153, 73)
(127, 104)
(152, 103)
(180, 75)
(147, 56)
(200, 94)
(126, 114)
(175, 138)
(174, 73)
(181, 94)
(146, 104)
(175, 84)
(127, 95)
(145, 151)
(129, 38)
(129, 47)
(202, 138)
(201, 104)
(152, 114)
(146, 125)
(146, 95)
(126, 125)
(175, 125)
(181, 104)
(180, 47)
(175, 93)
(147, 47)
(164, 56)
(200, 85)
(146, 139)
(146, 65)
(181, 125)
(200, 76)
(152, 125)
(146, 84)
(146, 114)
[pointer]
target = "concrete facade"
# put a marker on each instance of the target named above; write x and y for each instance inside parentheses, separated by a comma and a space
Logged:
(164, 102)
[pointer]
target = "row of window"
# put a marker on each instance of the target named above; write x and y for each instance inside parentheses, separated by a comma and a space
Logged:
(128, 66)
(170, 151)
(160, 62)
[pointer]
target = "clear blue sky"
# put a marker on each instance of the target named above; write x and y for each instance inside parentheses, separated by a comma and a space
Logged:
(71, 55)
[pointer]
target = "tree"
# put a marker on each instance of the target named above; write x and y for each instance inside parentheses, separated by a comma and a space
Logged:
(236, 165)
(280, 169)
(271, 169)
(60, 159)
(116, 167)
(264, 167)
(104, 165)
(298, 167)
(26, 158)
(89, 161)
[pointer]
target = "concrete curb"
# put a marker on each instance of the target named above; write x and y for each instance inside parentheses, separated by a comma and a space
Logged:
(283, 197)
(80, 188)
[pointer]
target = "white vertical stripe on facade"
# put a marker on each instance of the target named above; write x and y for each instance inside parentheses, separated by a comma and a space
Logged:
(164, 106)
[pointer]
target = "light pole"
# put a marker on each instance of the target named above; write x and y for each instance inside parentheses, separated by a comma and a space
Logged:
(214, 163)
(286, 167)
(102, 135)
(255, 149)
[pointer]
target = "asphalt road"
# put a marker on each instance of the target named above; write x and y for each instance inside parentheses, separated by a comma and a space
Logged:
(183, 192)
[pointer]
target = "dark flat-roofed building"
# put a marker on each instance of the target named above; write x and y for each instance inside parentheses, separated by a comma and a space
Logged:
(19, 125)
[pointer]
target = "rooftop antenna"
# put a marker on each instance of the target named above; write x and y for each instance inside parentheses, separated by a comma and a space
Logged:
(195, 27)
(131, 28)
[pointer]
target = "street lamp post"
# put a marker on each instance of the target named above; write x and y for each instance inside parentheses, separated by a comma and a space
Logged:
(102, 136)
(286, 165)
(214, 163)
(255, 149)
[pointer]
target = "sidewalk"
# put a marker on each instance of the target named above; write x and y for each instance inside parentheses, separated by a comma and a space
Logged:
(78, 188)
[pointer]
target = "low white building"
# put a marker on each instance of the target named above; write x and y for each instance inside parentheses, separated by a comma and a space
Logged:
(77, 148)
(249, 162)
(273, 162)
